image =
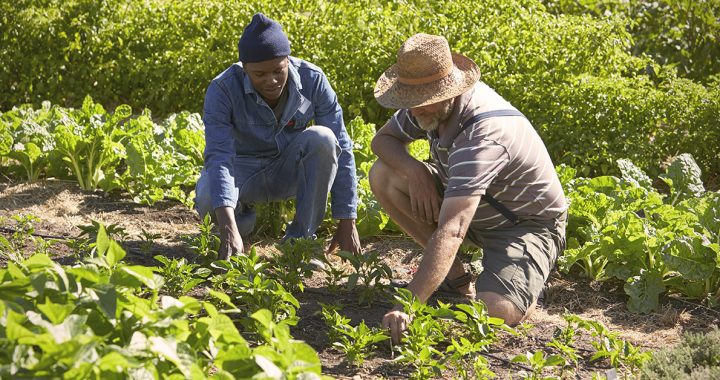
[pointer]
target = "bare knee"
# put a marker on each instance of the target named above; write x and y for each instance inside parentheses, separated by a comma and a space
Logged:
(500, 307)
(380, 177)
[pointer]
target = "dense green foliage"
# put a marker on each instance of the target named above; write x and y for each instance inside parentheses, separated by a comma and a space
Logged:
(681, 33)
(574, 76)
(622, 228)
(102, 318)
(105, 150)
(697, 356)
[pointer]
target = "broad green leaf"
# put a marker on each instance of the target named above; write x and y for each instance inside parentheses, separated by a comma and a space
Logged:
(144, 274)
(692, 259)
(685, 177)
(116, 362)
(102, 240)
(56, 313)
(38, 261)
(268, 367)
(115, 253)
(107, 300)
(644, 291)
(633, 174)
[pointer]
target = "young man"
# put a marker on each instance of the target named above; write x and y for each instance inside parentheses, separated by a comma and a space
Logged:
(491, 181)
(260, 145)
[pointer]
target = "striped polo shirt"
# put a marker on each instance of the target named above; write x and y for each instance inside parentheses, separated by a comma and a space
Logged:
(503, 157)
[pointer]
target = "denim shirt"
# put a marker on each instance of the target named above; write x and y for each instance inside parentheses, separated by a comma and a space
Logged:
(240, 125)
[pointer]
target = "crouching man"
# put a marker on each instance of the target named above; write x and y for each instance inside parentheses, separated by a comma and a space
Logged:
(490, 182)
(261, 145)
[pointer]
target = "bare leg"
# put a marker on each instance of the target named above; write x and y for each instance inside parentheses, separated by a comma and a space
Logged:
(391, 190)
(500, 307)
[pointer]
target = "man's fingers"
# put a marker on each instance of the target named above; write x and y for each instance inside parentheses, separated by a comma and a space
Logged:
(333, 245)
(430, 211)
(436, 209)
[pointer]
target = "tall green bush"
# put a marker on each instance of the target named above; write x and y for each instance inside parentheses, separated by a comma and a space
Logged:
(574, 76)
(681, 33)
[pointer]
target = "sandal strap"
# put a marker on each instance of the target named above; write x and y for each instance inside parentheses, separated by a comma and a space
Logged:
(460, 281)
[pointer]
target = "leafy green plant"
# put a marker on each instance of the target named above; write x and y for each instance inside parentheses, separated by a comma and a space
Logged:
(179, 276)
(205, 244)
(293, 262)
(623, 228)
(355, 342)
(538, 362)
(620, 353)
(90, 142)
(245, 278)
(370, 271)
(423, 335)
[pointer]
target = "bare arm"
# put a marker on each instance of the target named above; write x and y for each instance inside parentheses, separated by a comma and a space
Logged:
(394, 152)
(455, 218)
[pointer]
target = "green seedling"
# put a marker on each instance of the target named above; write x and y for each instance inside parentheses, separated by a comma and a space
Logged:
(465, 358)
(620, 353)
(180, 276)
(205, 244)
(245, 278)
(334, 275)
(355, 342)
(369, 270)
(147, 241)
(419, 346)
(562, 341)
(480, 326)
(538, 362)
(293, 263)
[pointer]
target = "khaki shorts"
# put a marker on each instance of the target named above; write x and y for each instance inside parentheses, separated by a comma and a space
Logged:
(517, 260)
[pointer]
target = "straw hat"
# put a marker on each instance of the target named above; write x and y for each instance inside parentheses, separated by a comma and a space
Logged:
(426, 72)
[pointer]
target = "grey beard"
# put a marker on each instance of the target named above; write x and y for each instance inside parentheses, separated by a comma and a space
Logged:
(430, 125)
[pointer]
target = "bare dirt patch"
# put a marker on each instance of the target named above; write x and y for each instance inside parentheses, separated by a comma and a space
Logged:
(62, 206)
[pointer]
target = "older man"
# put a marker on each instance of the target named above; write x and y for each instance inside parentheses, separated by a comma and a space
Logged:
(490, 182)
(260, 145)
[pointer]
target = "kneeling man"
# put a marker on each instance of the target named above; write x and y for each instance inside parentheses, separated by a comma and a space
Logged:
(490, 182)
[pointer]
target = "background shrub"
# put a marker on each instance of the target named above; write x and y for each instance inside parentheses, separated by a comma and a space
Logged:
(571, 72)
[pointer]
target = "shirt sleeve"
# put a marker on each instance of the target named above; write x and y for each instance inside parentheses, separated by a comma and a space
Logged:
(473, 164)
(219, 149)
(328, 113)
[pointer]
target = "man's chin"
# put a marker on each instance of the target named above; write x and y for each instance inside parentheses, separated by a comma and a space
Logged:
(428, 127)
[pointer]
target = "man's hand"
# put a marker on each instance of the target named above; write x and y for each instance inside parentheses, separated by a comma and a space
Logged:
(230, 240)
(424, 197)
(346, 237)
(396, 321)
(230, 243)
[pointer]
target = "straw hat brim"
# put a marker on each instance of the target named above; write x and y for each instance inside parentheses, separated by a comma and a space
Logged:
(390, 93)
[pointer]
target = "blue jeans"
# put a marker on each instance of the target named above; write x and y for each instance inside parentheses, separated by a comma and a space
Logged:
(305, 170)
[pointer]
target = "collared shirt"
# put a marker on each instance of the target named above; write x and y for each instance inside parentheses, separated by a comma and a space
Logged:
(501, 156)
(240, 125)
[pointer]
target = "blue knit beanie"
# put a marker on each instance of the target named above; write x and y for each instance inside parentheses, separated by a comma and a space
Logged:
(263, 39)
